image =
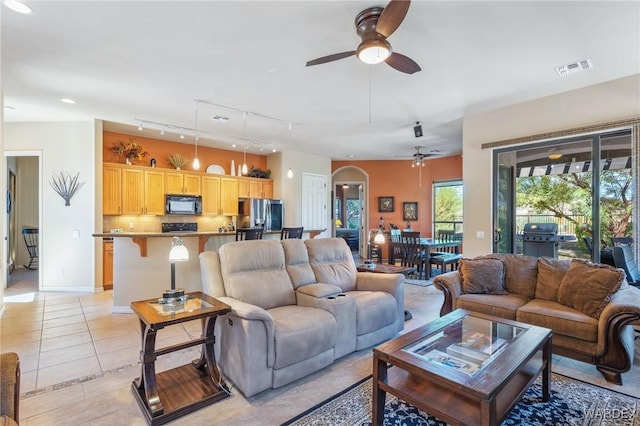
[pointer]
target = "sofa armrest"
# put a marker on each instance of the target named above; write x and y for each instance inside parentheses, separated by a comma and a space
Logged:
(249, 312)
(319, 290)
(390, 283)
(449, 284)
(623, 309)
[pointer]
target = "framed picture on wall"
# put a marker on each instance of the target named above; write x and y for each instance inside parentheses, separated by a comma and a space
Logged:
(410, 210)
(385, 204)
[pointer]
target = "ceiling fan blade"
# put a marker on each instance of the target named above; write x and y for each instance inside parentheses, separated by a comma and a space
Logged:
(331, 58)
(392, 16)
(403, 63)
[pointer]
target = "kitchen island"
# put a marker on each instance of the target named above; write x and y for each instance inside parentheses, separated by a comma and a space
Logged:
(141, 268)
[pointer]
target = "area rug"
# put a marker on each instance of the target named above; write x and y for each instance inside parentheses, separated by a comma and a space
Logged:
(421, 283)
(572, 403)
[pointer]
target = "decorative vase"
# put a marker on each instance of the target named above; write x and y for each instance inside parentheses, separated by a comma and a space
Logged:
(233, 168)
(127, 161)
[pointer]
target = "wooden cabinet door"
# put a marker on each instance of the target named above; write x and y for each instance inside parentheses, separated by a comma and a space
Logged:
(267, 189)
(174, 182)
(211, 195)
(107, 265)
(255, 189)
(112, 190)
(132, 191)
(154, 192)
(243, 188)
(229, 196)
(192, 184)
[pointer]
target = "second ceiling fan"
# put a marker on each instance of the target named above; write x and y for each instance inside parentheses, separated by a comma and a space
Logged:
(374, 26)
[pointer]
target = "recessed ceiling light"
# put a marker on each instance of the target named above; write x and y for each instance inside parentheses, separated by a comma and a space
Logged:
(351, 156)
(219, 118)
(67, 101)
(18, 6)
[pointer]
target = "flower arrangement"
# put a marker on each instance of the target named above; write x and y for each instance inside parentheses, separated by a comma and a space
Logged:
(177, 161)
(130, 151)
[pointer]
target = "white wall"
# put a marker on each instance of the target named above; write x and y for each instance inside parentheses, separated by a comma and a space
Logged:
(66, 263)
(610, 101)
(290, 189)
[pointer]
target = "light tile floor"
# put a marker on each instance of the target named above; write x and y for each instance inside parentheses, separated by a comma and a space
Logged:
(78, 361)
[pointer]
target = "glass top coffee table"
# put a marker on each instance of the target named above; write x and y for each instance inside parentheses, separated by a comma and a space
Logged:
(464, 368)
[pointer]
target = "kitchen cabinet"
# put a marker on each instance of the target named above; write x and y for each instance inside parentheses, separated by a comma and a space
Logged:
(255, 188)
(142, 191)
(182, 183)
(219, 195)
(112, 190)
(107, 265)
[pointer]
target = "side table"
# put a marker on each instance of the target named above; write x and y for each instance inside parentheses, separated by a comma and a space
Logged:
(171, 394)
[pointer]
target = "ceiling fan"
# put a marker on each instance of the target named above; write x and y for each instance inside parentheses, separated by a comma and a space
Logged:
(374, 25)
(418, 158)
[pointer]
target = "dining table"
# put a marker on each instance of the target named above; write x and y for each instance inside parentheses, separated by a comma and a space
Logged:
(427, 246)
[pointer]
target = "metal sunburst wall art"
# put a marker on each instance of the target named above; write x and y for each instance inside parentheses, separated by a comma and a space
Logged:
(65, 185)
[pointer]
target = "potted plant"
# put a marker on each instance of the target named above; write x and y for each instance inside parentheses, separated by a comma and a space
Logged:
(130, 151)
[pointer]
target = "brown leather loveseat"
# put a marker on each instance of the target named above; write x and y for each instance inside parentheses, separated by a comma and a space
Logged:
(589, 307)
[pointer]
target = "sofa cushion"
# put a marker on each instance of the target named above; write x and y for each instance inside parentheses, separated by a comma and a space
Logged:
(561, 319)
(374, 310)
(521, 273)
(259, 279)
(482, 275)
(301, 332)
(332, 262)
(550, 275)
(503, 306)
(588, 287)
(297, 262)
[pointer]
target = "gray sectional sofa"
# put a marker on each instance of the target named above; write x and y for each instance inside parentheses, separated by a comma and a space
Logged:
(296, 307)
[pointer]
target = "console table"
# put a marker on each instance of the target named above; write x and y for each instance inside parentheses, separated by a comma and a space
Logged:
(171, 394)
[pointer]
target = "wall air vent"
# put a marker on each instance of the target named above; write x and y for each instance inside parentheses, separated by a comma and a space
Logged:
(573, 67)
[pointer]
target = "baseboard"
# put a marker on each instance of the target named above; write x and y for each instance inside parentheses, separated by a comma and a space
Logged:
(121, 310)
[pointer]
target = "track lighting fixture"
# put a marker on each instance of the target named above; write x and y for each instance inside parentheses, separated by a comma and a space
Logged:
(162, 131)
(196, 162)
(140, 126)
(182, 135)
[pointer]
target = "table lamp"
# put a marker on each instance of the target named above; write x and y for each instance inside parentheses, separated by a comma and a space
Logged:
(379, 238)
(178, 253)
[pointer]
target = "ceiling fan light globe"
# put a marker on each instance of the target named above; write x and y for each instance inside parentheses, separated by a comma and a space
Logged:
(373, 51)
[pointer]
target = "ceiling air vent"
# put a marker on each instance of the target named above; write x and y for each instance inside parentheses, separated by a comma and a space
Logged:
(583, 65)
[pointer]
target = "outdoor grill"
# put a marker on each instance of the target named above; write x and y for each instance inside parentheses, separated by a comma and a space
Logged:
(542, 239)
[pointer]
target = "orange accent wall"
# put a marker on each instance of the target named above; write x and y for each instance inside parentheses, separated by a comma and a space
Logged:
(160, 149)
(395, 178)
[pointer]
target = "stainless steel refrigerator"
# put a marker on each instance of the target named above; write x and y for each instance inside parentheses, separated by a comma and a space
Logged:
(260, 213)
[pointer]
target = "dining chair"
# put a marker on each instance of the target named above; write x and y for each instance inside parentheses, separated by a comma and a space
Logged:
(395, 252)
(291, 233)
(249, 234)
(412, 253)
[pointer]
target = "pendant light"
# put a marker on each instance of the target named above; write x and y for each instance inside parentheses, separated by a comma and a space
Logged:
(196, 162)
(245, 169)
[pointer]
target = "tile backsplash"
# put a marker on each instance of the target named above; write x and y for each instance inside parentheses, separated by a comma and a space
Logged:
(154, 223)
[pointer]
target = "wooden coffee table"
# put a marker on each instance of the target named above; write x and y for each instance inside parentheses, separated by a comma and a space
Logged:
(464, 368)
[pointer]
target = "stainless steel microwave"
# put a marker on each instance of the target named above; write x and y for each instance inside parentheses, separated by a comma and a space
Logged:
(183, 204)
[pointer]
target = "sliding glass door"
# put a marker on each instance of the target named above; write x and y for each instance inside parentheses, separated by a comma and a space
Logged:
(583, 185)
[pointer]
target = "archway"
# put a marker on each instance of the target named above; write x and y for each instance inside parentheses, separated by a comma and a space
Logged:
(350, 191)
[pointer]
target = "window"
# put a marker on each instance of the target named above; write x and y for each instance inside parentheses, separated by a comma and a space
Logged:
(447, 206)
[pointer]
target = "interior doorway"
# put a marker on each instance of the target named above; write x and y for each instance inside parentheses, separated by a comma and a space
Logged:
(350, 208)
(23, 213)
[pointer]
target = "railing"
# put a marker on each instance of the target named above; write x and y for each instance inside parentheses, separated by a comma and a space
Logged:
(566, 225)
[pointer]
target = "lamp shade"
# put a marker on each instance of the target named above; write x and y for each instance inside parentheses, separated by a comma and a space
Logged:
(379, 238)
(179, 252)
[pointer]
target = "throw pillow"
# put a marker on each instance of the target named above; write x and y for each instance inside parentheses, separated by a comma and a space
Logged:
(550, 275)
(521, 273)
(482, 275)
(588, 287)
